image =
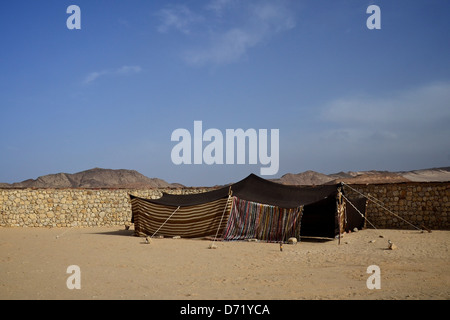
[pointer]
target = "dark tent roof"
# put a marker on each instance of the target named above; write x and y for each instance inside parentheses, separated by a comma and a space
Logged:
(256, 189)
(184, 200)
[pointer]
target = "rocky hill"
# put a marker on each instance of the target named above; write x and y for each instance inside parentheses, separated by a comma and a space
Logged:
(304, 178)
(316, 178)
(93, 178)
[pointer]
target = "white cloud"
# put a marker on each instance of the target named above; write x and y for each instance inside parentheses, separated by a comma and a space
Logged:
(178, 17)
(219, 6)
(227, 29)
(226, 47)
(124, 70)
(128, 70)
(93, 76)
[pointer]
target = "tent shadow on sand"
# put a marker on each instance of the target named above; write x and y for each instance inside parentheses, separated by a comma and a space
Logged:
(319, 240)
(122, 232)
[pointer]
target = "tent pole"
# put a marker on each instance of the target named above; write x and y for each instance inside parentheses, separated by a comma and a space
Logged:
(339, 206)
(230, 193)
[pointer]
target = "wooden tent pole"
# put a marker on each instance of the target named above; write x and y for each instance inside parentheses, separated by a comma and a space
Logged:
(230, 192)
(339, 213)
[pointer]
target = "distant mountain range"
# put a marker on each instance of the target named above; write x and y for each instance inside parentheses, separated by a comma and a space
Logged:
(121, 178)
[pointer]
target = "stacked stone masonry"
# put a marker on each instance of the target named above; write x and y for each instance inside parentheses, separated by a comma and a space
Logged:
(425, 204)
(422, 204)
(72, 207)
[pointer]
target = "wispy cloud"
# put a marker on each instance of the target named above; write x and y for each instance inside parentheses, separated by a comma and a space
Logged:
(93, 76)
(128, 70)
(177, 17)
(218, 6)
(226, 47)
(227, 29)
(124, 70)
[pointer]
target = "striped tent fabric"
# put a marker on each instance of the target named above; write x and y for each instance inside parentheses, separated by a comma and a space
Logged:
(197, 221)
(253, 220)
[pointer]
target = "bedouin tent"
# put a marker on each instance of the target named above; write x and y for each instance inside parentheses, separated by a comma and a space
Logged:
(251, 208)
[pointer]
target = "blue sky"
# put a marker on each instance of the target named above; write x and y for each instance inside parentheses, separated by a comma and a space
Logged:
(109, 95)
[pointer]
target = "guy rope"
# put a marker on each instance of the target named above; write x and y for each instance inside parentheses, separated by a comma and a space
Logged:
(165, 221)
(379, 203)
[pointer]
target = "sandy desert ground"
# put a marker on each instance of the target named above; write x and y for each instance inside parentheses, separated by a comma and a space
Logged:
(116, 265)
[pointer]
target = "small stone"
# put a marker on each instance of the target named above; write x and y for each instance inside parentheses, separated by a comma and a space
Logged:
(212, 246)
(392, 246)
(292, 240)
(355, 229)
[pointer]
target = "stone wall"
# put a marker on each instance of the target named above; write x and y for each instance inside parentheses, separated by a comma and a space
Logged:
(419, 203)
(72, 207)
